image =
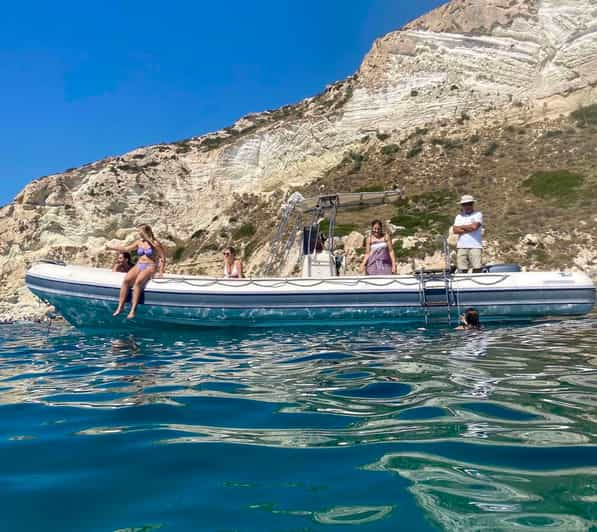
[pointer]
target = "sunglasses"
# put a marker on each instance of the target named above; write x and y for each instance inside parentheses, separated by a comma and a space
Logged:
(226, 254)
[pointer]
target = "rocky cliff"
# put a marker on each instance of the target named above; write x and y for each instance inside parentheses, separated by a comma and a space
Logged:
(493, 97)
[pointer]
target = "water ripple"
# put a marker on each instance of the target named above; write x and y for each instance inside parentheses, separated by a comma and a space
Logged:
(520, 399)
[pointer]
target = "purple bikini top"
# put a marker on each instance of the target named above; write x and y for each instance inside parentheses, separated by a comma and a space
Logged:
(144, 251)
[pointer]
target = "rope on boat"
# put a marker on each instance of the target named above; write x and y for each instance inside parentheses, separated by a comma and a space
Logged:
(308, 283)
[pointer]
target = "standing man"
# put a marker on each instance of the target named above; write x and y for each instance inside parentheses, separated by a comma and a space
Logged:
(467, 226)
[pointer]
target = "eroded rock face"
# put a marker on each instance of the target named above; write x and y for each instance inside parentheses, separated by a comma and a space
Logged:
(470, 61)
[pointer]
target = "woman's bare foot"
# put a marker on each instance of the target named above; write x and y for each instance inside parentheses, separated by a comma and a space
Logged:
(117, 311)
(131, 315)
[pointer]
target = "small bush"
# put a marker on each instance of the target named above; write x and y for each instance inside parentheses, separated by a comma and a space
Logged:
(182, 146)
(537, 255)
(558, 184)
(425, 212)
(200, 233)
(382, 136)
(178, 253)
(464, 116)
(213, 142)
(414, 151)
(586, 115)
(357, 160)
(390, 149)
(245, 231)
(491, 149)
(416, 221)
(448, 144)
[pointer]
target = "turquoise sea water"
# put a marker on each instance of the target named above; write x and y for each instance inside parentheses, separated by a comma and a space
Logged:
(368, 428)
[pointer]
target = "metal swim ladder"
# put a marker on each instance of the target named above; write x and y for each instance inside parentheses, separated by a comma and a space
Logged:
(439, 295)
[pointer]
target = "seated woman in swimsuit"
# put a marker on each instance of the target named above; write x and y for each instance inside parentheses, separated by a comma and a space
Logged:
(379, 253)
(233, 267)
(151, 256)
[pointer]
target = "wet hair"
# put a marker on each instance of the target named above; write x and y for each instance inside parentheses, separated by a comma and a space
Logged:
(471, 317)
(127, 256)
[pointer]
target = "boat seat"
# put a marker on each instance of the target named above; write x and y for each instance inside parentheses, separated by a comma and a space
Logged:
(322, 264)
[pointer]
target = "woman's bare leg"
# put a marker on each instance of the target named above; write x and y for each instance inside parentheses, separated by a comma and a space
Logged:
(142, 279)
(129, 279)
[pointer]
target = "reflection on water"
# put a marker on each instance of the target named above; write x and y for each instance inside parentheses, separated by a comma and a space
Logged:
(485, 430)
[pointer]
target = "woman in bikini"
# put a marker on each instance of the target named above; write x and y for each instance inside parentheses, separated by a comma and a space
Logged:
(151, 257)
(379, 253)
(233, 267)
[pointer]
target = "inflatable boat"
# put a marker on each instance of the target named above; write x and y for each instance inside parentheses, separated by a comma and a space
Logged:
(86, 297)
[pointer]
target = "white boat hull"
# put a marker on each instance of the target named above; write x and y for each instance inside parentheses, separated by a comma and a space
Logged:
(86, 297)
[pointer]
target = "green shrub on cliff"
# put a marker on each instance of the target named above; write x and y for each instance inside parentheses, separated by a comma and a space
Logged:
(586, 115)
(429, 212)
(557, 184)
(244, 231)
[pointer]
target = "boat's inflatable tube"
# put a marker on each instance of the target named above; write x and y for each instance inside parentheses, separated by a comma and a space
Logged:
(88, 296)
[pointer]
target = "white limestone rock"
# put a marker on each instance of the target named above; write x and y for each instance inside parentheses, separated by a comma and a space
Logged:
(531, 240)
(354, 240)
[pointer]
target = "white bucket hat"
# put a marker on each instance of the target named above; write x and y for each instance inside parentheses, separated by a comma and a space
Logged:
(467, 199)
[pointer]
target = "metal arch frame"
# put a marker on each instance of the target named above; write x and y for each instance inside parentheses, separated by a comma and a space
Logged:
(294, 211)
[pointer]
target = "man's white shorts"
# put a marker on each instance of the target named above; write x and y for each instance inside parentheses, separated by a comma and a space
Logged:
(467, 258)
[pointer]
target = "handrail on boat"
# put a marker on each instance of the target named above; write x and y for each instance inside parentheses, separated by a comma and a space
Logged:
(311, 283)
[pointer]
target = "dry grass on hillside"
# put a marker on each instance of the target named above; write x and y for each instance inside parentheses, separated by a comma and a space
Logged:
(538, 178)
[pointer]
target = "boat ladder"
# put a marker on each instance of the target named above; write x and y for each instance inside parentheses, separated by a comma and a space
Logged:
(435, 291)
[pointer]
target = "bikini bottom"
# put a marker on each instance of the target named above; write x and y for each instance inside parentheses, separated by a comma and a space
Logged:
(144, 265)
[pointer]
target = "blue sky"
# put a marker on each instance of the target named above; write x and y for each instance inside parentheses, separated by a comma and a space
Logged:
(80, 81)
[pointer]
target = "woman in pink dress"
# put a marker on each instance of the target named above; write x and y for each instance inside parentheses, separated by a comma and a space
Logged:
(379, 253)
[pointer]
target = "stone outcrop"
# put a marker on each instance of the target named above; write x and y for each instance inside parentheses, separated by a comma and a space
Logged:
(470, 63)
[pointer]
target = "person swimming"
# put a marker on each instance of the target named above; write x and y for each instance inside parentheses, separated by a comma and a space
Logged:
(151, 258)
(469, 320)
